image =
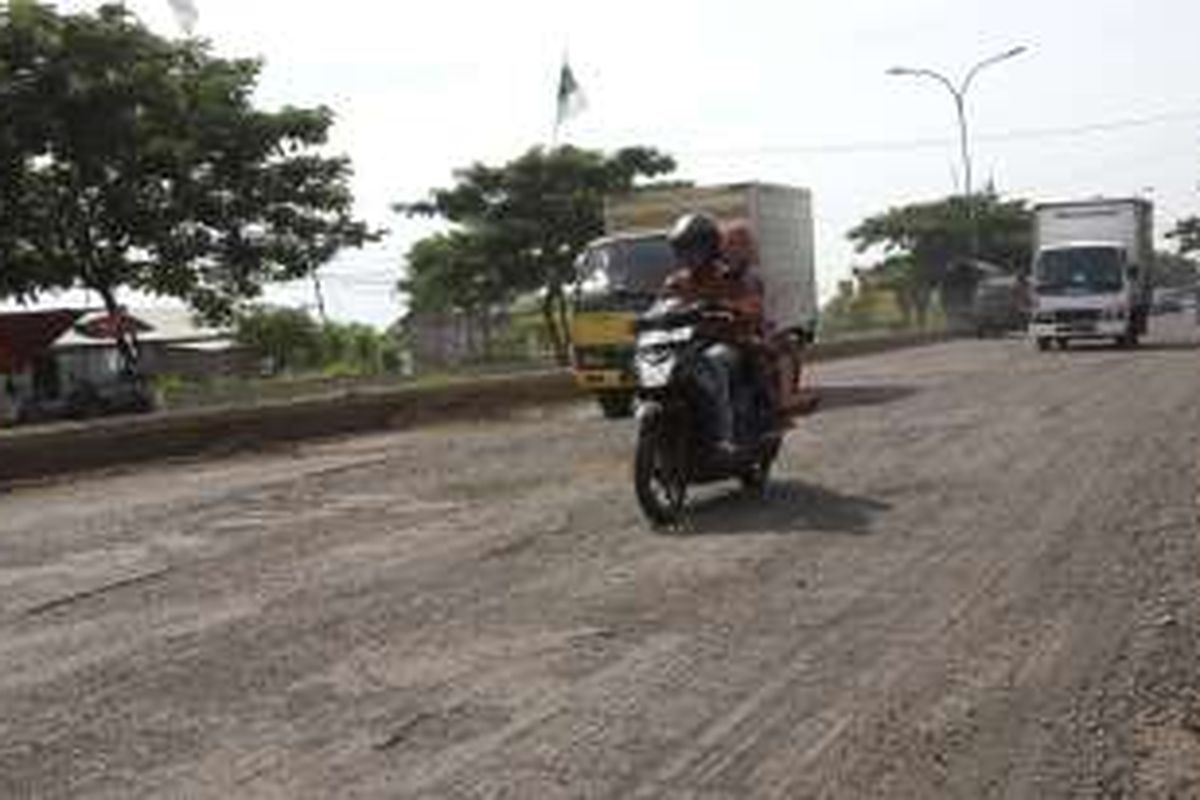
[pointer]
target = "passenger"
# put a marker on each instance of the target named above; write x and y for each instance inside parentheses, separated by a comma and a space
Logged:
(741, 258)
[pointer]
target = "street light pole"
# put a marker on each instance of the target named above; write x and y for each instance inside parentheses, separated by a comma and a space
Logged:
(959, 93)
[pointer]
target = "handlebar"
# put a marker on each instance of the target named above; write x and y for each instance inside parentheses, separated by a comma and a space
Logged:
(693, 314)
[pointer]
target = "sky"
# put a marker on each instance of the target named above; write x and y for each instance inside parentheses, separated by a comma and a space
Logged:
(1103, 103)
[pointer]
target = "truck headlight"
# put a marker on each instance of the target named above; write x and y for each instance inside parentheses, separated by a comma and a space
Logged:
(1115, 314)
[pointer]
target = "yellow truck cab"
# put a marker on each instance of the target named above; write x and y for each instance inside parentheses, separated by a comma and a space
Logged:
(618, 278)
(619, 275)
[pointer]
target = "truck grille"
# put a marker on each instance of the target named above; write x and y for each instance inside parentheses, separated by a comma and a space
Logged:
(620, 358)
(1069, 315)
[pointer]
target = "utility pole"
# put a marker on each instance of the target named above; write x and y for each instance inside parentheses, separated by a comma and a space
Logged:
(959, 93)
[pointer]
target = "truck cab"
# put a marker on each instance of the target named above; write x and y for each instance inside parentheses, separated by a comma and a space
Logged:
(617, 278)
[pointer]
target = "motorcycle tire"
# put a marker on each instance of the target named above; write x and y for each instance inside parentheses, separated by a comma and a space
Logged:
(616, 405)
(755, 478)
(661, 489)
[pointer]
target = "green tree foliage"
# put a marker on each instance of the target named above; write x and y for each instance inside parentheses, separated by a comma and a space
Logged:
(931, 236)
(459, 270)
(289, 339)
(356, 349)
(131, 161)
(463, 271)
(520, 226)
(293, 342)
(1172, 270)
(1187, 235)
(897, 274)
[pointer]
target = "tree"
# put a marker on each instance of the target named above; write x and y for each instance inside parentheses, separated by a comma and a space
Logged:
(462, 270)
(132, 161)
(289, 339)
(1172, 270)
(935, 234)
(525, 222)
(897, 274)
(1187, 234)
(1178, 269)
(292, 341)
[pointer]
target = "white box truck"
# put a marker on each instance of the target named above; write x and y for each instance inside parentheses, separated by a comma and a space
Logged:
(620, 274)
(1091, 271)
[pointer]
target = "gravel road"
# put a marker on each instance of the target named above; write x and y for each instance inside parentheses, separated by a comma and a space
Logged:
(976, 574)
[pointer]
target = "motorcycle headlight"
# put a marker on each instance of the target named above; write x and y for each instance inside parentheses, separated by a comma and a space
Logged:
(654, 368)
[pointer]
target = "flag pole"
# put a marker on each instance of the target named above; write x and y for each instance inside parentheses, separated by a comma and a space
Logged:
(558, 115)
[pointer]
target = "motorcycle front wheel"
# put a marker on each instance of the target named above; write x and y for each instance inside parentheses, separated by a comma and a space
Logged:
(659, 482)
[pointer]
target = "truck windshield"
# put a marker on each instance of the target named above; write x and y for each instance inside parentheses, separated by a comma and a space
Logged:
(637, 266)
(1089, 270)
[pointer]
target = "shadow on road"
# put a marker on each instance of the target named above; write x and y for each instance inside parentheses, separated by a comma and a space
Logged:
(1152, 346)
(1162, 347)
(833, 398)
(785, 507)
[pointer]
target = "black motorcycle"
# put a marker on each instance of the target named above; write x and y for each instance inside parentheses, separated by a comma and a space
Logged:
(676, 439)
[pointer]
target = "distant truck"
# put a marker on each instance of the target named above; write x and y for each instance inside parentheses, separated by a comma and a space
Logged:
(619, 275)
(1091, 271)
(1000, 304)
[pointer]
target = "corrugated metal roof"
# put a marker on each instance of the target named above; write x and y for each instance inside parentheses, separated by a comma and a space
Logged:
(165, 325)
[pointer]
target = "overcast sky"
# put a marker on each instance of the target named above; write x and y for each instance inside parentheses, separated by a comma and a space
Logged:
(736, 91)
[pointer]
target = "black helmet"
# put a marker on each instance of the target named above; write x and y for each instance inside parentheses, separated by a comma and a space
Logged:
(695, 235)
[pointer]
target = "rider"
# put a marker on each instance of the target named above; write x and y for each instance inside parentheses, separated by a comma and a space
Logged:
(703, 278)
(740, 254)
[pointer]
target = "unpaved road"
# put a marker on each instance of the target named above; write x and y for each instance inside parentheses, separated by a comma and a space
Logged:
(977, 574)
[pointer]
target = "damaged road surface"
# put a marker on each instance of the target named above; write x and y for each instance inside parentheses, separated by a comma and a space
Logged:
(976, 574)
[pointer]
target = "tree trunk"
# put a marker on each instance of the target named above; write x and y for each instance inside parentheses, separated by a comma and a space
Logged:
(921, 302)
(564, 321)
(550, 316)
(905, 306)
(126, 341)
(486, 331)
(467, 318)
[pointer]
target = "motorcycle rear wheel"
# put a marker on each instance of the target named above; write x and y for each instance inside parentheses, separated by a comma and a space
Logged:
(755, 477)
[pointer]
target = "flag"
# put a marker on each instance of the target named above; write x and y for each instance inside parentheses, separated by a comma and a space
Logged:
(186, 13)
(571, 100)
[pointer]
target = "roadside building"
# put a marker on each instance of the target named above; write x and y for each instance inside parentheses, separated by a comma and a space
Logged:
(65, 362)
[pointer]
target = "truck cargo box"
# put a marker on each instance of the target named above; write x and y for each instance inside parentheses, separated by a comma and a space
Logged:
(780, 216)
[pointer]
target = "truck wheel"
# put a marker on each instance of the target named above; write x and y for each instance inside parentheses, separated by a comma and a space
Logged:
(1043, 343)
(1064, 343)
(616, 405)
(1129, 340)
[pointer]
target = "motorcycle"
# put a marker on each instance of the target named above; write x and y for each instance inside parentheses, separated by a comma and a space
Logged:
(675, 439)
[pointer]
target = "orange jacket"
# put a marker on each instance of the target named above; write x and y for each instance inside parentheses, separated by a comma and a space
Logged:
(741, 295)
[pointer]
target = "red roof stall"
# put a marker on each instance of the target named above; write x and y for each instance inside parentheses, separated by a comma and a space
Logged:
(24, 335)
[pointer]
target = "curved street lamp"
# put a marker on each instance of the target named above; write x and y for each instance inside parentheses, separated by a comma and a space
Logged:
(959, 93)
